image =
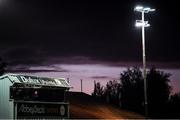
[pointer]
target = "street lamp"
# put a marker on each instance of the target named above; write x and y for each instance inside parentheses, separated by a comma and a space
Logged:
(143, 24)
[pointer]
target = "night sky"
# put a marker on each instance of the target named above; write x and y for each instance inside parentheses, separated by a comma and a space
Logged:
(48, 33)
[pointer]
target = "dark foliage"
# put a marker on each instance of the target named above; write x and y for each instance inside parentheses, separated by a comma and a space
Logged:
(132, 89)
(172, 110)
(112, 92)
(158, 92)
(98, 91)
(175, 100)
(2, 67)
(129, 93)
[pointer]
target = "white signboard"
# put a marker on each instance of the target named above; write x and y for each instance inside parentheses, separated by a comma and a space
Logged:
(38, 80)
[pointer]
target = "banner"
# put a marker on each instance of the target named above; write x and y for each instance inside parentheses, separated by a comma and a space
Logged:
(42, 110)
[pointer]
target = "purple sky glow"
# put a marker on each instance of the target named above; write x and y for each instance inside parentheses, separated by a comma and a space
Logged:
(90, 72)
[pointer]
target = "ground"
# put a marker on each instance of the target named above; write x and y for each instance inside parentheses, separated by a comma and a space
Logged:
(84, 106)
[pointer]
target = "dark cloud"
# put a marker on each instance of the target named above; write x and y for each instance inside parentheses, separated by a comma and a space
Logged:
(34, 69)
(23, 55)
(101, 77)
(49, 32)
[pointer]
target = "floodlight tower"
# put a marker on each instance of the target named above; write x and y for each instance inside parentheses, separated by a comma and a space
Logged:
(143, 24)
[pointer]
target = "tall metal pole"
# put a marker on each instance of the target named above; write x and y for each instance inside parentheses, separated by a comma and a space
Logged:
(81, 86)
(144, 66)
(144, 24)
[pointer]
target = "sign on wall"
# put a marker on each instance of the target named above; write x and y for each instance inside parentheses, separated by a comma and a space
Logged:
(41, 110)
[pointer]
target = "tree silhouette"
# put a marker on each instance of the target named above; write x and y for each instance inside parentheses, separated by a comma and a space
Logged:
(174, 105)
(2, 67)
(98, 91)
(112, 92)
(130, 92)
(175, 100)
(132, 89)
(158, 91)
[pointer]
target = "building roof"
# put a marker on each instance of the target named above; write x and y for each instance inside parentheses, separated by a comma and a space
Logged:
(34, 80)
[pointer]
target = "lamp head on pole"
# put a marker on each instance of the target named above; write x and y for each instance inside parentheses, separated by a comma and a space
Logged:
(143, 9)
(139, 23)
(142, 23)
(139, 8)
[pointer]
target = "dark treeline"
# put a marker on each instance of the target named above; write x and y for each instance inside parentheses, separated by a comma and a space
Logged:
(2, 66)
(128, 93)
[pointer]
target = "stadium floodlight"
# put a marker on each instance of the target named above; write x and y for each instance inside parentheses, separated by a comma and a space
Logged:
(143, 9)
(139, 23)
(139, 8)
(143, 24)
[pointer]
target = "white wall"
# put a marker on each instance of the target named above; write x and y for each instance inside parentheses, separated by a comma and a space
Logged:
(6, 106)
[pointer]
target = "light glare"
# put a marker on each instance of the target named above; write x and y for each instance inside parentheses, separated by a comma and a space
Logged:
(143, 9)
(138, 8)
(153, 10)
(138, 24)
